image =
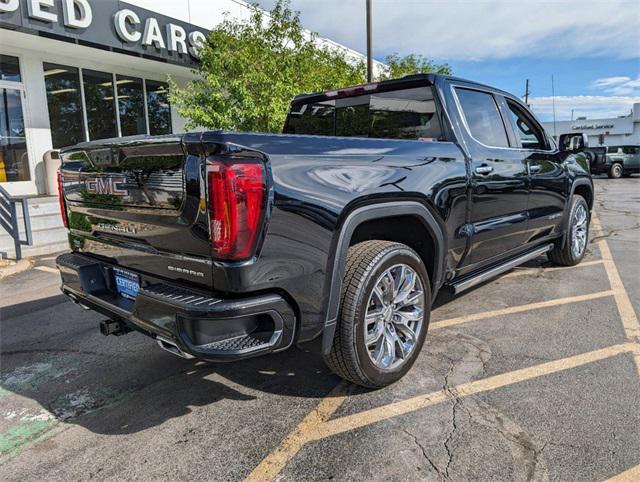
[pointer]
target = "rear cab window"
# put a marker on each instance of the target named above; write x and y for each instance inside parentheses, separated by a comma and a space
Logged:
(406, 113)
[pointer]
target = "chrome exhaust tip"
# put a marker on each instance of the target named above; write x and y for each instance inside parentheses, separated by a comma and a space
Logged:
(172, 348)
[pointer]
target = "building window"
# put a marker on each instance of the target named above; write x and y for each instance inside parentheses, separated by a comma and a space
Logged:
(82, 104)
(158, 108)
(98, 98)
(131, 106)
(65, 104)
(10, 68)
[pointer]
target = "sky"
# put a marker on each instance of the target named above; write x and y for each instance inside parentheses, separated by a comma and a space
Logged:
(591, 47)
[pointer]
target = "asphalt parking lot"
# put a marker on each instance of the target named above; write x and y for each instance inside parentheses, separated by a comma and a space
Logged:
(533, 376)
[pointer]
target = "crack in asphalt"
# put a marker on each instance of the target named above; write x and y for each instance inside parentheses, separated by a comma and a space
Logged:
(528, 456)
(454, 425)
(614, 232)
(424, 454)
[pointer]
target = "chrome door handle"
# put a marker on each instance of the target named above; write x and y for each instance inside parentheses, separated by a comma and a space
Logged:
(484, 169)
(534, 167)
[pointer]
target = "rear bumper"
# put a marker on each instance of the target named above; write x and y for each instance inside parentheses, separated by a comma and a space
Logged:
(204, 326)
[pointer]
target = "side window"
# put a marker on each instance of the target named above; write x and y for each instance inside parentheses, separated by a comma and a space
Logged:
(483, 117)
(530, 134)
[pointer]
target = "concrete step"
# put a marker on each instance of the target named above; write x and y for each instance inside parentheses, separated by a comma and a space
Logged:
(39, 223)
(49, 235)
(47, 221)
(41, 206)
(44, 241)
(40, 236)
(45, 249)
(39, 250)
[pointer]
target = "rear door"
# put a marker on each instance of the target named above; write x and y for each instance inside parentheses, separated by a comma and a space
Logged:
(499, 179)
(631, 157)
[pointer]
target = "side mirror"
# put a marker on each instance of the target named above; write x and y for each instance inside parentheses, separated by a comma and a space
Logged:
(573, 142)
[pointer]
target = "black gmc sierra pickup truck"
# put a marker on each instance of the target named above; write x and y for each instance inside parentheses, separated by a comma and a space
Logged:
(223, 245)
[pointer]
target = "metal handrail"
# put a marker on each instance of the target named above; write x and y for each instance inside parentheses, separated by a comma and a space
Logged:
(9, 219)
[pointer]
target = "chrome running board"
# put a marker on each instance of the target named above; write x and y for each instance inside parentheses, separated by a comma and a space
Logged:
(467, 283)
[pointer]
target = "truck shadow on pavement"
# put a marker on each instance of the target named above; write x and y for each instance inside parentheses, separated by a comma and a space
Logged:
(56, 366)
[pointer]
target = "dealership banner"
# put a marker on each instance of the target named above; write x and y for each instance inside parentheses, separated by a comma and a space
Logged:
(109, 24)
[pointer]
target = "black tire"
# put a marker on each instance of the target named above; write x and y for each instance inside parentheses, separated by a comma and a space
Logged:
(616, 171)
(564, 255)
(349, 357)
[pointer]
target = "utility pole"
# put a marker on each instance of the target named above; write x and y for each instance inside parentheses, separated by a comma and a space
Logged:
(553, 100)
(526, 93)
(369, 44)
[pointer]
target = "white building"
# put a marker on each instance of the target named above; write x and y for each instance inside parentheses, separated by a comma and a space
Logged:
(77, 70)
(618, 131)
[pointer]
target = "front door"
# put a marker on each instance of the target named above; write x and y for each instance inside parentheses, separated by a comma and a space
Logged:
(548, 188)
(499, 176)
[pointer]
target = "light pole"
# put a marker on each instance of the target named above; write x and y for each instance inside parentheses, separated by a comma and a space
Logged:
(369, 44)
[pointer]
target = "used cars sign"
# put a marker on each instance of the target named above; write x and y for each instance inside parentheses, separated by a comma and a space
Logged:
(109, 23)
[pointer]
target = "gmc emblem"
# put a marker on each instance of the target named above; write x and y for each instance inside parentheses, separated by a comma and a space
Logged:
(106, 185)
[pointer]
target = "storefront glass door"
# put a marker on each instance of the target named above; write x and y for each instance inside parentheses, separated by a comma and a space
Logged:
(14, 160)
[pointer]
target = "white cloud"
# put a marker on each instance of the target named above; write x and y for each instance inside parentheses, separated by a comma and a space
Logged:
(482, 29)
(620, 85)
(590, 106)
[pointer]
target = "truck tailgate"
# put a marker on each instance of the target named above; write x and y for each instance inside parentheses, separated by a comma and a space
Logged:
(137, 202)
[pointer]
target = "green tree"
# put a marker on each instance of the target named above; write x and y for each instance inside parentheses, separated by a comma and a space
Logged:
(250, 70)
(411, 64)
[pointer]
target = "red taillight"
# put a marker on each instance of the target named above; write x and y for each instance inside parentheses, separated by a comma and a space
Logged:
(237, 193)
(63, 206)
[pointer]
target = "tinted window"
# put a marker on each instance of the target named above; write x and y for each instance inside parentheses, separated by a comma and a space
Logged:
(65, 104)
(630, 150)
(483, 117)
(131, 105)
(158, 108)
(9, 68)
(531, 135)
(399, 114)
(612, 150)
(98, 95)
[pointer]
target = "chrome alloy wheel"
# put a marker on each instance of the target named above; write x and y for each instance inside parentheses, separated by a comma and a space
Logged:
(394, 317)
(579, 232)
